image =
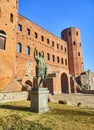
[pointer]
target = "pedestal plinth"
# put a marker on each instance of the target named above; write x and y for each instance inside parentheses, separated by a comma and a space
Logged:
(39, 100)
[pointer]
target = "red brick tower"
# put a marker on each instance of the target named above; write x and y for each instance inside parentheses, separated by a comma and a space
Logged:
(72, 36)
(8, 29)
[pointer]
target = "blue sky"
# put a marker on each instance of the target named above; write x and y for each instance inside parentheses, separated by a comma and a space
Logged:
(56, 15)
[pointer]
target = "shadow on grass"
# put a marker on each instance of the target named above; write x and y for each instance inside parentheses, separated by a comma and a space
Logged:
(15, 107)
(72, 112)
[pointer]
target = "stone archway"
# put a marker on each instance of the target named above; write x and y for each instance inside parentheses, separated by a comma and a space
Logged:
(64, 83)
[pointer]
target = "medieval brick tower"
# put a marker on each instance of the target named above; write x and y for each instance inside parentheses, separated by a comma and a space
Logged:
(8, 29)
(72, 36)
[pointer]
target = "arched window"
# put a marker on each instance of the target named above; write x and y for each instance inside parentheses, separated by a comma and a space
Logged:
(35, 35)
(58, 60)
(48, 56)
(78, 53)
(74, 43)
(48, 40)
(11, 18)
(76, 33)
(65, 49)
(52, 43)
(19, 27)
(19, 47)
(43, 53)
(53, 58)
(57, 46)
(28, 31)
(62, 61)
(42, 38)
(61, 47)
(2, 39)
(27, 50)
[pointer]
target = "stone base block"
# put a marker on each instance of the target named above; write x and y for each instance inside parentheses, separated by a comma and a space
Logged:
(39, 100)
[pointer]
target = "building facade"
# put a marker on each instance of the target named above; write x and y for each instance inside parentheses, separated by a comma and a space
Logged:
(18, 38)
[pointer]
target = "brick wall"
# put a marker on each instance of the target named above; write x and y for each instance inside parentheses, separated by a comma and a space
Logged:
(22, 36)
(8, 55)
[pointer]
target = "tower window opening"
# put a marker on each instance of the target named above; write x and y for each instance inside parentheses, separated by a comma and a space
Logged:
(2, 39)
(19, 27)
(76, 33)
(69, 33)
(11, 18)
(74, 43)
(78, 53)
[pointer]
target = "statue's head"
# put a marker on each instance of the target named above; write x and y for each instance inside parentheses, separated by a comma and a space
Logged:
(41, 54)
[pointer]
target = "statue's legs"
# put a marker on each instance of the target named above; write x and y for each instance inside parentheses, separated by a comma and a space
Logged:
(40, 81)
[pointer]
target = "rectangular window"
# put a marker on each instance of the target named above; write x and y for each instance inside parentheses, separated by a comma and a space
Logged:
(19, 27)
(11, 18)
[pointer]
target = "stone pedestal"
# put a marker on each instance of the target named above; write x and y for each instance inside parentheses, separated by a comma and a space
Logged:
(39, 100)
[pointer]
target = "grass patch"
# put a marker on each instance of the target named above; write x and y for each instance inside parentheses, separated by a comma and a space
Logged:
(17, 116)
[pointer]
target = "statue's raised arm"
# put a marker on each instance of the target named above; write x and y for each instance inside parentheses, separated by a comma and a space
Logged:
(35, 53)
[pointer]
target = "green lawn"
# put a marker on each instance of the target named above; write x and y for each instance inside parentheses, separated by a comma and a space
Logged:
(16, 116)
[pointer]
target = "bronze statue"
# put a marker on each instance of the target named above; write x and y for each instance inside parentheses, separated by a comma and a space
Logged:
(41, 68)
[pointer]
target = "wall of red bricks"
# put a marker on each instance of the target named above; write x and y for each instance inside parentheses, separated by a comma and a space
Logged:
(15, 64)
(8, 56)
